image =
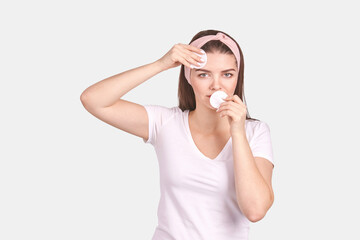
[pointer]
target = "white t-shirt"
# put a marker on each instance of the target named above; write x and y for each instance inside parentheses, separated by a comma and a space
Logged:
(198, 199)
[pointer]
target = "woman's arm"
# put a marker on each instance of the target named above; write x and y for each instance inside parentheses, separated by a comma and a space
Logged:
(252, 180)
(108, 91)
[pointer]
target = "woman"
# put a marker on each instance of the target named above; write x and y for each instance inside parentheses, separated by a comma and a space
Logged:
(215, 164)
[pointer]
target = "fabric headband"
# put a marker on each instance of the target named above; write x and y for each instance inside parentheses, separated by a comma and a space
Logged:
(219, 36)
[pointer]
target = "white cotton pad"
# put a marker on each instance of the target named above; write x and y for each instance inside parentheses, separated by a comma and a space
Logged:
(202, 64)
(217, 98)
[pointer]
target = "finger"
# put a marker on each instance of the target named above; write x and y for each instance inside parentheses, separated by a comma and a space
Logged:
(180, 50)
(185, 59)
(197, 58)
(184, 62)
(191, 59)
(223, 104)
(237, 99)
(228, 98)
(226, 112)
(194, 49)
(229, 106)
(229, 113)
(191, 51)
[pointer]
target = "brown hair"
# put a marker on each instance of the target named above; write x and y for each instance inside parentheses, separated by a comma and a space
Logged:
(185, 91)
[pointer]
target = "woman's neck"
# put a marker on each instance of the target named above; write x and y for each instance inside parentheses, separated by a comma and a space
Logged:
(208, 121)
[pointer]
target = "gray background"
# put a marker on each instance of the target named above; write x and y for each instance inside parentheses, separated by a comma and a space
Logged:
(64, 174)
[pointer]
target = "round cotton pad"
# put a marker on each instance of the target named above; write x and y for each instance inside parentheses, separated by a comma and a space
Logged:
(202, 64)
(217, 98)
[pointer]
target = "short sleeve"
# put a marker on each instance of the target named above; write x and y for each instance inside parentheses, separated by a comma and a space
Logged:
(158, 116)
(261, 144)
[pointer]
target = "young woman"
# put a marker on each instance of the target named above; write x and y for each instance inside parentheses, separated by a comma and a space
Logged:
(215, 164)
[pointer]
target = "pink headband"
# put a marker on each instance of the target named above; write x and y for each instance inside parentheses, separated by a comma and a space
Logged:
(219, 36)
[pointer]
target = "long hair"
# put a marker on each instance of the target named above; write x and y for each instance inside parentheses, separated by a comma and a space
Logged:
(186, 93)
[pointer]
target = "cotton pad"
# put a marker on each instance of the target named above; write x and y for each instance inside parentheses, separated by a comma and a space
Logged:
(217, 98)
(204, 57)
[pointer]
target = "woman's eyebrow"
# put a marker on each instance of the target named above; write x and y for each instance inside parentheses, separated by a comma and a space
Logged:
(205, 70)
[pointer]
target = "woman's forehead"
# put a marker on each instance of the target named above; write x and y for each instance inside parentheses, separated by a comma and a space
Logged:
(220, 61)
(221, 57)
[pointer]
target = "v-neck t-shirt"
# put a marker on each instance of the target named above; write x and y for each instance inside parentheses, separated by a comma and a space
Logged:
(197, 193)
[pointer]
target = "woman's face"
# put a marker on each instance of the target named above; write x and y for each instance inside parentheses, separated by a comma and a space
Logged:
(219, 73)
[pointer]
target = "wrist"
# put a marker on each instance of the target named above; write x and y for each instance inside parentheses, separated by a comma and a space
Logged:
(239, 135)
(159, 66)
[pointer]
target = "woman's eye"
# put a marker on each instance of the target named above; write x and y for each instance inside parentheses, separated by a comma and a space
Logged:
(228, 75)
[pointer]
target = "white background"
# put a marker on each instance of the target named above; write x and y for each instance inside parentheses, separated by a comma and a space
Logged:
(64, 174)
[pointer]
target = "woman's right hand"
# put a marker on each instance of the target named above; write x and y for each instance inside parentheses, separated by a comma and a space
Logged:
(181, 54)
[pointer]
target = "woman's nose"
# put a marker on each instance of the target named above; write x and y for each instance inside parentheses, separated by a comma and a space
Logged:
(215, 82)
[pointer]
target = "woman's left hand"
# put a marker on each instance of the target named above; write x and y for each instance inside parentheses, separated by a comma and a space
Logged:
(236, 112)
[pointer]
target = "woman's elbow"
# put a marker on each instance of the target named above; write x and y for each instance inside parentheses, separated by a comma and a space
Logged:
(257, 214)
(255, 217)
